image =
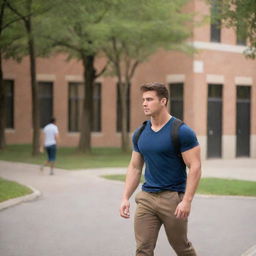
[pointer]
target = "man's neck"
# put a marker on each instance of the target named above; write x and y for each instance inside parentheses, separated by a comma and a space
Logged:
(157, 122)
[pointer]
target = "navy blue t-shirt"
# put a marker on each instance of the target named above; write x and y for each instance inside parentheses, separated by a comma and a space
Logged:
(165, 170)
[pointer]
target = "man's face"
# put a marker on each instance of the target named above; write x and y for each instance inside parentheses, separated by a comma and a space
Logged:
(151, 103)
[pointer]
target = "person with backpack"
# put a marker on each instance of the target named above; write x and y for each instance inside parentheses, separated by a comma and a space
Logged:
(167, 146)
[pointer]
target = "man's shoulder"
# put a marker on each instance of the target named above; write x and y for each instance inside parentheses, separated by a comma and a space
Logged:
(185, 129)
(46, 127)
(188, 138)
(50, 127)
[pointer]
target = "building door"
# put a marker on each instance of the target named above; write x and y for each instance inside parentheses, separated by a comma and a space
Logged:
(176, 99)
(243, 113)
(45, 102)
(214, 120)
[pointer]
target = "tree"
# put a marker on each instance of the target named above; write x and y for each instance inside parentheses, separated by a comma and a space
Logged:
(2, 87)
(137, 29)
(26, 11)
(8, 37)
(79, 32)
(241, 15)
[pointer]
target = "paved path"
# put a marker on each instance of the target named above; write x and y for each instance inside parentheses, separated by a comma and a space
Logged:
(77, 214)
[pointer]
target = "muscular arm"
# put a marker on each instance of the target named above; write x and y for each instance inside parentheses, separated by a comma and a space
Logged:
(131, 182)
(193, 162)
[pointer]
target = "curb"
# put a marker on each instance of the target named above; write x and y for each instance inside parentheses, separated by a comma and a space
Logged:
(14, 201)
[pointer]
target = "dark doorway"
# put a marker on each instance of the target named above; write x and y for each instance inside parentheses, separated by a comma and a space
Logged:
(45, 102)
(243, 120)
(214, 121)
(176, 100)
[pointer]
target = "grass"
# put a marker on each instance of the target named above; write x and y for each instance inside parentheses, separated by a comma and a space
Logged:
(218, 186)
(214, 186)
(11, 189)
(68, 158)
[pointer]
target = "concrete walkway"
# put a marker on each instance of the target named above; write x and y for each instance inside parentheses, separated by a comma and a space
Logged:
(77, 214)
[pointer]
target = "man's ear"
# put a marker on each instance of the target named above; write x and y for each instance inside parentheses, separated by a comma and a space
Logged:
(164, 101)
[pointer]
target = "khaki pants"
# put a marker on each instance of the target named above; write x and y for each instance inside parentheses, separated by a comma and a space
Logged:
(153, 210)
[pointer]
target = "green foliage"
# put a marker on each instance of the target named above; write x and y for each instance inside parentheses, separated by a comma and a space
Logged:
(11, 189)
(16, 37)
(138, 28)
(241, 15)
(77, 27)
(9, 31)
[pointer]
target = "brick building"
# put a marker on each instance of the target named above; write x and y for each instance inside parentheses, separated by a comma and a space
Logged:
(213, 90)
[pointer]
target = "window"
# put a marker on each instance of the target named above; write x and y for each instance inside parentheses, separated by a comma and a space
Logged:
(75, 106)
(118, 109)
(215, 21)
(243, 93)
(45, 102)
(9, 103)
(215, 91)
(176, 100)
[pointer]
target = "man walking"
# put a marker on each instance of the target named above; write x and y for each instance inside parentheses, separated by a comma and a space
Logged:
(49, 140)
(168, 191)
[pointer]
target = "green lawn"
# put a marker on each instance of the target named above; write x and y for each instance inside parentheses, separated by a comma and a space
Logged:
(215, 186)
(68, 158)
(218, 186)
(11, 189)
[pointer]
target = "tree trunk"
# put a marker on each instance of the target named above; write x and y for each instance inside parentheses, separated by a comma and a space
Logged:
(85, 127)
(123, 88)
(2, 107)
(34, 87)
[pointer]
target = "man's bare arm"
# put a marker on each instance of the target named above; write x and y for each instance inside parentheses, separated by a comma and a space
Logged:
(42, 138)
(131, 182)
(193, 162)
(57, 138)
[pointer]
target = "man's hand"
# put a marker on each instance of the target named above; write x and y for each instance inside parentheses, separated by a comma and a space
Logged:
(125, 209)
(183, 209)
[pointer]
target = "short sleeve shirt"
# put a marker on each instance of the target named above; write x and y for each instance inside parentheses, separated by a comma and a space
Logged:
(50, 131)
(165, 169)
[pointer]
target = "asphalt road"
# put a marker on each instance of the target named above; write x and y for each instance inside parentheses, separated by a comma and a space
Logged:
(77, 214)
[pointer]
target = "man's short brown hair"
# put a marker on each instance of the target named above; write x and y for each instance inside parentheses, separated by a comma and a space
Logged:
(160, 89)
